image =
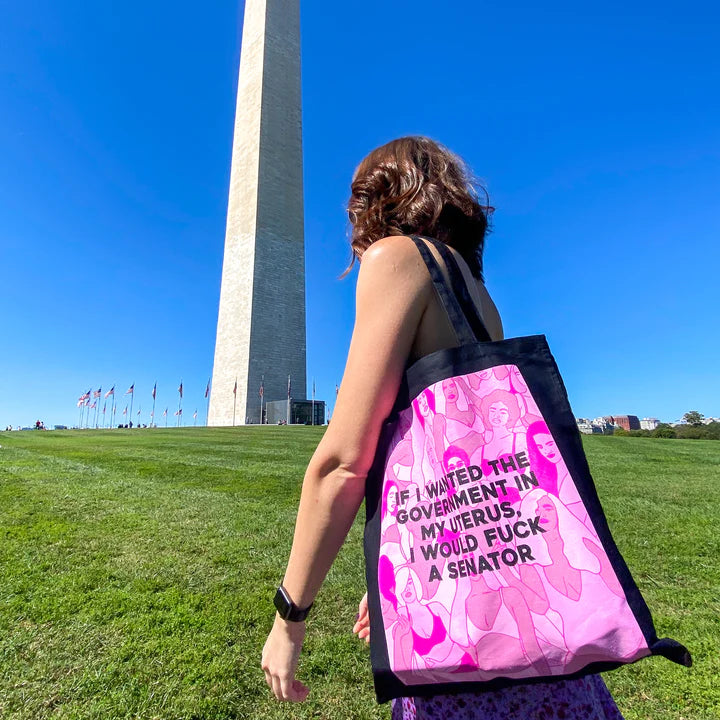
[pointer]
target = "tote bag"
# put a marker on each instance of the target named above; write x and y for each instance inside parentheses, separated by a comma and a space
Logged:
(489, 561)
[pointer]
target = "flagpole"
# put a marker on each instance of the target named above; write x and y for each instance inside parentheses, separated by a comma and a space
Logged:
(132, 398)
(207, 410)
(180, 404)
(80, 423)
(152, 416)
(234, 400)
(195, 418)
(288, 402)
(114, 408)
(262, 397)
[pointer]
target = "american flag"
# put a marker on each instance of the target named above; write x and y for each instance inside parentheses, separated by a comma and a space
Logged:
(195, 414)
(154, 392)
(178, 412)
(104, 406)
(97, 393)
(110, 392)
(92, 407)
(289, 387)
(85, 396)
(139, 410)
(125, 410)
(235, 388)
(337, 389)
(313, 388)
(262, 387)
(207, 389)
(165, 413)
(180, 389)
(131, 390)
(80, 402)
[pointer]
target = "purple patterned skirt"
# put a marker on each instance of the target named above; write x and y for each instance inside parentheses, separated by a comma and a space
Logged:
(586, 698)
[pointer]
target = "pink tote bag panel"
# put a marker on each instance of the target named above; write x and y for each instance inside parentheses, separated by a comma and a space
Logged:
(489, 565)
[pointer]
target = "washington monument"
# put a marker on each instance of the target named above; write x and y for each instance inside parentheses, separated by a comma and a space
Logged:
(261, 319)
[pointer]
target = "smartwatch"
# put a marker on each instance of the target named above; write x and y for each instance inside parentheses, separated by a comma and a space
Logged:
(287, 609)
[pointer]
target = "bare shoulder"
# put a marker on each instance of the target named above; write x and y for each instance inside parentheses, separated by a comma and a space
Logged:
(396, 263)
(391, 250)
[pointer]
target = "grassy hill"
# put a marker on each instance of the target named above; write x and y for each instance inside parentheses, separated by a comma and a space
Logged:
(137, 569)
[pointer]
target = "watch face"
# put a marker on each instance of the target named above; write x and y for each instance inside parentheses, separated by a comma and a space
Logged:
(283, 603)
(287, 609)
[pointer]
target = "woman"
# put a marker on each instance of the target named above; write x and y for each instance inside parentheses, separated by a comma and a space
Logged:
(551, 470)
(574, 567)
(411, 185)
(500, 413)
(433, 426)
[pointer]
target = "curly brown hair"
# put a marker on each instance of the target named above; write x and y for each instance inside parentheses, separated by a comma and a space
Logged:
(415, 186)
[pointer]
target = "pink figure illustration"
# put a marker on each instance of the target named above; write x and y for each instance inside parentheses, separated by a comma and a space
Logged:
(433, 428)
(463, 428)
(498, 376)
(540, 628)
(386, 583)
(454, 459)
(397, 540)
(519, 388)
(498, 625)
(551, 471)
(420, 638)
(581, 585)
(399, 464)
(500, 412)
(452, 388)
(389, 529)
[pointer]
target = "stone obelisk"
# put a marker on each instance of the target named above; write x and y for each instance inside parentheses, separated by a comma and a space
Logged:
(261, 320)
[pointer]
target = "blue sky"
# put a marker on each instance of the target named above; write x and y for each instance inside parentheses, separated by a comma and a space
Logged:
(595, 127)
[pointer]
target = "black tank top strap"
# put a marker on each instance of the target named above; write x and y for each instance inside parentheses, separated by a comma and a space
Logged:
(458, 320)
(460, 288)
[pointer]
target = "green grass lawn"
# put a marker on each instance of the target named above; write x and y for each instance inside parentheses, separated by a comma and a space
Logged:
(137, 570)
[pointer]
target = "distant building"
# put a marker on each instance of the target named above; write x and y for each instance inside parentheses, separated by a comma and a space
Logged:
(301, 412)
(604, 424)
(649, 423)
(587, 427)
(626, 422)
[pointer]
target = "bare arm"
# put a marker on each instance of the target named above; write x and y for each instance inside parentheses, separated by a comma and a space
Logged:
(392, 292)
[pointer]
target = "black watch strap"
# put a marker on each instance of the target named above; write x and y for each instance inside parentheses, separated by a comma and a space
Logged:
(287, 609)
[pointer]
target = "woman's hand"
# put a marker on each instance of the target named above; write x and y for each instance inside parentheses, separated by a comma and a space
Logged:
(280, 658)
(362, 625)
